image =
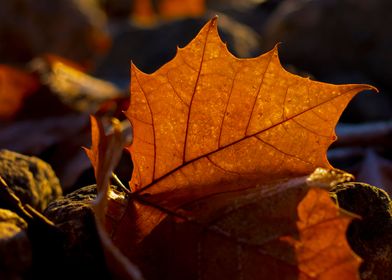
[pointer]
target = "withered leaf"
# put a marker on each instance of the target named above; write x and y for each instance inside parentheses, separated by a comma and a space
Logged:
(15, 86)
(294, 234)
(104, 154)
(69, 81)
(220, 145)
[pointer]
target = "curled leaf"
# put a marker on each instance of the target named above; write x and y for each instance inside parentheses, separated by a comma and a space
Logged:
(104, 155)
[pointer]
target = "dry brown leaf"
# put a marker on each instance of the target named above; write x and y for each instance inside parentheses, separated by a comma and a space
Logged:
(69, 81)
(294, 234)
(15, 86)
(220, 145)
(104, 154)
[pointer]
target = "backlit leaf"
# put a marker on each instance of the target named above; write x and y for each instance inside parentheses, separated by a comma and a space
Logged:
(294, 234)
(207, 122)
(223, 151)
(104, 154)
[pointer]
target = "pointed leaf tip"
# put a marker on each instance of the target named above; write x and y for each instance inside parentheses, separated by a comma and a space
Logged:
(372, 88)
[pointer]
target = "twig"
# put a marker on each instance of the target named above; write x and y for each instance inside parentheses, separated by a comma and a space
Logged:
(120, 184)
(27, 212)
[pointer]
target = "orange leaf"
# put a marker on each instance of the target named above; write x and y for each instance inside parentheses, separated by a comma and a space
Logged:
(322, 250)
(104, 155)
(294, 234)
(207, 122)
(15, 86)
(181, 8)
(72, 84)
(217, 135)
(143, 12)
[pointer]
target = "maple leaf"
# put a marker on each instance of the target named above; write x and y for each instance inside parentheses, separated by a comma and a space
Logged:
(297, 233)
(222, 151)
(208, 119)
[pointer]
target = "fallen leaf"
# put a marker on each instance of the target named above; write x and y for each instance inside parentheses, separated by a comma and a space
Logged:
(181, 8)
(15, 86)
(216, 135)
(104, 154)
(207, 122)
(294, 234)
(74, 87)
(145, 14)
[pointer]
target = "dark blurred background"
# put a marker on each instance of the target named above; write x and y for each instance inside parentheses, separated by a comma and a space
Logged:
(336, 41)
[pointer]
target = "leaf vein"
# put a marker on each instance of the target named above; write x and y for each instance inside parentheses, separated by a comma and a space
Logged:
(227, 105)
(281, 151)
(193, 95)
(257, 94)
(239, 140)
(152, 124)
